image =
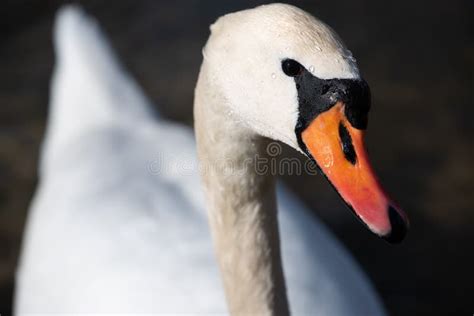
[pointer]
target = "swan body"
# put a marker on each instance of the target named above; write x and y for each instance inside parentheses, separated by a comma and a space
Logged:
(118, 223)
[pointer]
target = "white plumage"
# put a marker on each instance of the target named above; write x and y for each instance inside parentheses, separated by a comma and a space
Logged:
(118, 223)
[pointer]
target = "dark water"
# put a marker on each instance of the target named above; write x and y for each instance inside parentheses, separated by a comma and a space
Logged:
(417, 56)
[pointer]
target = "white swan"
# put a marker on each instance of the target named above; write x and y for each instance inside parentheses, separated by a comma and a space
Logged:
(114, 228)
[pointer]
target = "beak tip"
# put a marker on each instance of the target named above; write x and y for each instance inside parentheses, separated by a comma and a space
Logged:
(399, 226)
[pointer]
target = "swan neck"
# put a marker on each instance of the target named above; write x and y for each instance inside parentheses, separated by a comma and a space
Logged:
(241, 205)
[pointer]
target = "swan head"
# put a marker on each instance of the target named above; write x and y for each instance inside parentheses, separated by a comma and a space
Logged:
(288, 77)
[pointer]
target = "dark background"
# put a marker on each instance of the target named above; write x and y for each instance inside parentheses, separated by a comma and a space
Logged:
(418, 58)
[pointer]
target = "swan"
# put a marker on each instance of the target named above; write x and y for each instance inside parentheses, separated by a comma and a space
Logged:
(121, 222)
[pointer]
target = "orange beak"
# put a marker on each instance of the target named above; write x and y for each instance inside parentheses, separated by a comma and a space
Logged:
(338, 149)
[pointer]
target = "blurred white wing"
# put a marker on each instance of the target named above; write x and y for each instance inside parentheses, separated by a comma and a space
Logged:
(118, 223)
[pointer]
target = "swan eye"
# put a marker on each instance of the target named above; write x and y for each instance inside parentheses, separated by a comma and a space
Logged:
(291, 67)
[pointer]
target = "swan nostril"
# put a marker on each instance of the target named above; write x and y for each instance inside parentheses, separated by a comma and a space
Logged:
(346, 143)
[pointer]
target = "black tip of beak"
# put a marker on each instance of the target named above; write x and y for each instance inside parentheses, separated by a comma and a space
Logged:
(399, 227)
